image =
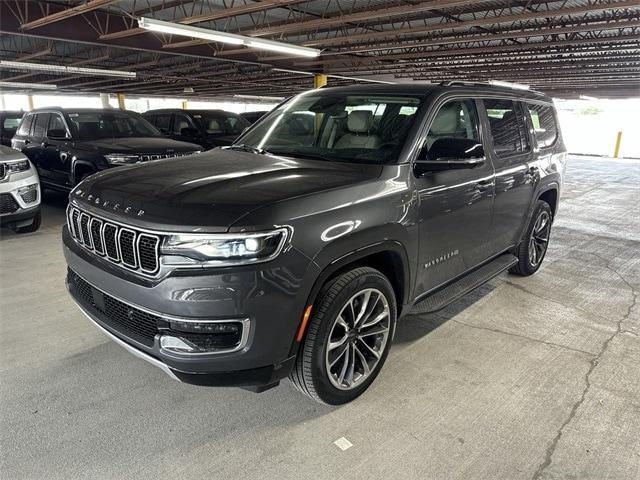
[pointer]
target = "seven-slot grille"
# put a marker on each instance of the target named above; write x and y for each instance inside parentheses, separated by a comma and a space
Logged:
(150, 157)
(128, 247)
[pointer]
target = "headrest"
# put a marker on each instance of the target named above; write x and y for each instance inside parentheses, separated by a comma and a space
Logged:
(360, 121)
(446, 120)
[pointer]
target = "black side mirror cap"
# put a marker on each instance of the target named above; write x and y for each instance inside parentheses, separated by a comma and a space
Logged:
(57, 134)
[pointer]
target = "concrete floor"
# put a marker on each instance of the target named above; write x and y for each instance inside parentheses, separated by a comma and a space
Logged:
(527, 378)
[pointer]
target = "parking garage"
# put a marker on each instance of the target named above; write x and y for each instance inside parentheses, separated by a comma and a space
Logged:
(130, 114)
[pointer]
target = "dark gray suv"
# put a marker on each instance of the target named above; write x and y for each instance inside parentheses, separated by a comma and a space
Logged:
(296, 250)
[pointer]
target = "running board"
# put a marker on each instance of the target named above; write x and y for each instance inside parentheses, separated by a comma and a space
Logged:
(449, 294)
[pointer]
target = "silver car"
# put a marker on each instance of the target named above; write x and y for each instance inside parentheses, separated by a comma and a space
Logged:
(19, 192)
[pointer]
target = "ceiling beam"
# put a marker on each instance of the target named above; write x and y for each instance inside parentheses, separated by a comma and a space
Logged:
(67, 13)
(214, 15)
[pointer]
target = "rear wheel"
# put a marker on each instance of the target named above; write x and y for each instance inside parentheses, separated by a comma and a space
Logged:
(533, 247)
(348, 337)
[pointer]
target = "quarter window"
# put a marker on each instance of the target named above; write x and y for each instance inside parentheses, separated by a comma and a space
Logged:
(508, 127)
(25, 126)
(544, 124)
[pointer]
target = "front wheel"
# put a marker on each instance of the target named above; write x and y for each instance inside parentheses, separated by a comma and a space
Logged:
(348, 337)
(535, 241)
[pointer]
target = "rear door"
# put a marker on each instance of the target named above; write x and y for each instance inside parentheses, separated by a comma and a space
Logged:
(516, 173)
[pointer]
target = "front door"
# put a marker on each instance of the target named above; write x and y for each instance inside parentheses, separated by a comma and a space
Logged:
(455, 205)
(516, 174)
(54, 157)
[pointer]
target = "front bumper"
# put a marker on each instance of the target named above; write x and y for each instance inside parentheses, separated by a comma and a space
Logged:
(25, 206)
(271, 298)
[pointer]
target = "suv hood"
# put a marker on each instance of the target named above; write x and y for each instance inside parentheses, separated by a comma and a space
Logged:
(136, 145)
(211, 191)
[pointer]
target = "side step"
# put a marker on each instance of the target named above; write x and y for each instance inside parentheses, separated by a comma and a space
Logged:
(449, 294)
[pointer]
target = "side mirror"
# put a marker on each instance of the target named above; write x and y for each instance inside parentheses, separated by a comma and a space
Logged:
(189, 132)
(57, 134)
(451, 153)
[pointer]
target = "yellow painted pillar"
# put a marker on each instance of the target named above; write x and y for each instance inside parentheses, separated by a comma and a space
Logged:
(121, 101)
(30, 102)
(184, 105)
(616, 151)
(319, 80)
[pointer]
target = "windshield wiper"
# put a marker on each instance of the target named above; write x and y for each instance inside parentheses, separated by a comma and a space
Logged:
(247, 148)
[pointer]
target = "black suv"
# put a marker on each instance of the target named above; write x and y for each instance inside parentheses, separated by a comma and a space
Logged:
(68, 145)
(208, 128)
(9, 122)
(295, 251)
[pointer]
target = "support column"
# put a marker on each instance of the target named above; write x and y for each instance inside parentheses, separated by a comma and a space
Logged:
(319, 80)
(616, 151)
(121, 101)
(104, 99)
(184, 104)
(30, 101)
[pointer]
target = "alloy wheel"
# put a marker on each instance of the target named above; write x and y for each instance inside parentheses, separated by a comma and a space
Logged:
(539, 239)
(357, 339)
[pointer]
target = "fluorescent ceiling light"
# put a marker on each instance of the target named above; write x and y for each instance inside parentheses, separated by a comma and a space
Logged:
(224, 37)
(500, 83)
(258, 97)
(40, 86)
(588, 97)
(66, 69)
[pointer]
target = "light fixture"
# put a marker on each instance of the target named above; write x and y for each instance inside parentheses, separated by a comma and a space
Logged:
(39, 86)
(188, 90)
(588, 97)
(258, 97)
(224, 37)
(66, 69)
(500, 83)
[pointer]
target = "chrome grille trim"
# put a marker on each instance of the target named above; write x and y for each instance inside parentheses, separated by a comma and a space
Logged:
(79, 220)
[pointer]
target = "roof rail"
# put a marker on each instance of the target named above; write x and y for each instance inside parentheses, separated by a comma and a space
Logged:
(490, 83)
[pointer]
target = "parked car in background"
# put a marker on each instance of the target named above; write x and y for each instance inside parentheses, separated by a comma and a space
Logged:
(208, 128)
(19, 192)
(9, 122)
(294, 251)
(67, 145)
(253, 117)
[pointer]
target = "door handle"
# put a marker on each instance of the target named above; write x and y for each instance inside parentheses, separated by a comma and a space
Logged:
(27, 141)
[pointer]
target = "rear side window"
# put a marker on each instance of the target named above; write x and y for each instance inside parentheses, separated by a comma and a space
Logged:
(544, 124)
(163, 122)
(10, 123)
(25, 126)
(508, 128)
(42, 120)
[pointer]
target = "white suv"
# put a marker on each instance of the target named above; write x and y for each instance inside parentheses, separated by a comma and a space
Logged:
(19, 192)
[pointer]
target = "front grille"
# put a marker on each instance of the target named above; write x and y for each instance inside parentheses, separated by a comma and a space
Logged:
(124, 246)
(8, 204)
(30, 196)
(132, 322)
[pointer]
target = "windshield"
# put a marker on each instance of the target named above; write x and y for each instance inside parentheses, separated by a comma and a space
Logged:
(348, 128)
(94, 125)
(221, 123)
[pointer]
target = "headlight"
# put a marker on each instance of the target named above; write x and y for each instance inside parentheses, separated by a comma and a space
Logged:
(121, 159)
(223, 249)
(17, 166)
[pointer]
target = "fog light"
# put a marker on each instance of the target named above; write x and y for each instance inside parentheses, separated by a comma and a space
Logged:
(208, 327)
(175, 344)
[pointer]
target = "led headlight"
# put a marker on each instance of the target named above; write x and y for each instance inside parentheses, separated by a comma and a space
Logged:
(223, 249)
(121, 159)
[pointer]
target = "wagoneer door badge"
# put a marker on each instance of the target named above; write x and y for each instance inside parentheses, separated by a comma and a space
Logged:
(441, 258)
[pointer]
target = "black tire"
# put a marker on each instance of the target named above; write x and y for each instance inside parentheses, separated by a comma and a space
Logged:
(526, 266)
(35, 225)
(310, 375)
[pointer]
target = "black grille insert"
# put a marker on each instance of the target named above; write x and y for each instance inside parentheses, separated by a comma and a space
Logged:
(8, 204)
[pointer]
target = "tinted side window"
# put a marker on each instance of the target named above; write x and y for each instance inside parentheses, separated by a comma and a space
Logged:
(42, 120)
(508, 128)
(455, 119)
(180, 122)
(544, 124)
(25, 126)
(10, 123)
(56, 123)
(163, 122)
